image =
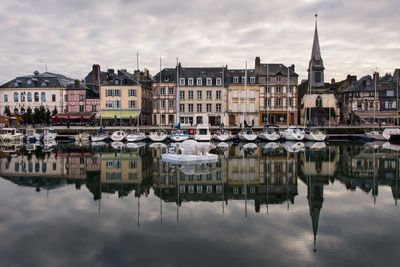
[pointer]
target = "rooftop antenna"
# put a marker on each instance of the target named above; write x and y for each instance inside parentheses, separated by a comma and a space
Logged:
(45, 67)
(137, 60)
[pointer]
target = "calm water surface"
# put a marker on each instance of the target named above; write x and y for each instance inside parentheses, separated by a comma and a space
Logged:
(100, 206)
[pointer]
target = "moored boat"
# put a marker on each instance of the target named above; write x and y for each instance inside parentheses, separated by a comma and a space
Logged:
(223, 135)
(293, 134)
(31, 136)
(247, 135)
(118, 136)
(11, 134)
(135, 136)
(48, 135)
(158, 136)
(202, 133)
(314, 135)
(178, 136)
(270, 133)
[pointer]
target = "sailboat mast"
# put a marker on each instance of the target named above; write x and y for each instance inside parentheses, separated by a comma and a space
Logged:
(266, 93)
(177, 92)
(287, 97)
(245, 95)
(375, 81)
(159, 95)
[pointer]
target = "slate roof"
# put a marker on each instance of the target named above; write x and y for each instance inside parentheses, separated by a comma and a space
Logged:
(362, 85)
(276, 69)
(125, 78)
(39, 80)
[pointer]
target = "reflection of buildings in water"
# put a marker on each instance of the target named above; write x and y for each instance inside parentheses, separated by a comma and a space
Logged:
(264, 180)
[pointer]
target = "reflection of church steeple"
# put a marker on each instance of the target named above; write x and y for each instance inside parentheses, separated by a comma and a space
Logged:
(315, 200)
(316, 65)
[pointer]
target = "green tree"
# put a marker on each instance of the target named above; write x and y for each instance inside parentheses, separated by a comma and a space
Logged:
(36, 115)
(28, 115)
(7, 111)
(55, 111)
(47, 116)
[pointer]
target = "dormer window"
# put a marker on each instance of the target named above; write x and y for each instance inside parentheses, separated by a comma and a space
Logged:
(278, 79)
(116, 82)
(166, 78)
(368, 82)
(243, 79)
(235, 79)
(182, 81)
(209, 81)
(43, 84)
(29, 82)
(17, 83)
(199, 81)
(190, 81)
(218, 82)
(252, 79)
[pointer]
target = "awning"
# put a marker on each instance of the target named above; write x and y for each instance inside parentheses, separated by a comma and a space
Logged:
(125, 114)
(378, 114)
(75, 115)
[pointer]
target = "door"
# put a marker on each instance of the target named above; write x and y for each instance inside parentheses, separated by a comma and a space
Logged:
(232, 120)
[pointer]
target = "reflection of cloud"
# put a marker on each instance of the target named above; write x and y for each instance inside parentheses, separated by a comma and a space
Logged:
(72, 35)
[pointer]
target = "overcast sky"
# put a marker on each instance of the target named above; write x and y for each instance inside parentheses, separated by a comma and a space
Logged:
(70, 36)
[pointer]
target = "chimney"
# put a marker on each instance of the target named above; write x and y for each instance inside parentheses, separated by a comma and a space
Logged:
(95, 74)
(257, 65)
(110, 71)
(292, 67)
(76, 84)
(179, 67)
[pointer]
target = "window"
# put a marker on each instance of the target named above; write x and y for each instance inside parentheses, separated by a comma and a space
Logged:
(218, 107)
(43, 84)
(53, 98)
(290, 102)
(278, 79)
(199, 81)
(132, 103)
(29, 81)
(81, 108)
(289, 90)
(252, 79)
(112, 104)
(170, 90)
(235, 107)
(252, 94)
(243, 106)
(15, 97)
(235, 93)
(132, 176)
(190, 81)
(166, 78)
(190, 107)
(209, 94)
(394, 104)
(209, 81)
(243, 93)
(182, 107)
(218, 95)
(181, 94)
(278, 102)
(218, 81)
(190, 94)
(162, 103)
(317, 76)
(182, 81)
(171, 104)
(113, 92)
(199, 108)
(235, 79)
(36, 97)
(278, 90)
(162, 91)
(208, 107)
(22, 96)
(252, 109)
(94, 108)
(371, 105)
(199, 94)
(132, 92)
(6, 97)
(244, 79)
(389, 93)
(43, 96)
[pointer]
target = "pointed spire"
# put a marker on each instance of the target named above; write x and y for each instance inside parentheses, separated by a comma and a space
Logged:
(316, 51)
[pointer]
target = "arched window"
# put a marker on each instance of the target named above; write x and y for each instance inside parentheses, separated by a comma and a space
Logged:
(36, 97)
(318, 102)
(15, 111)
(43, 96)
(15, 97)
(22, 97)
(29, 97)
(22, 110)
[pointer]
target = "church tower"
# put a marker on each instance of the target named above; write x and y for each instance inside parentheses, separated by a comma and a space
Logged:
(316, 65)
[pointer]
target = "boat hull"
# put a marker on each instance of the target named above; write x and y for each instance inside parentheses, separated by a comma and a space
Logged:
(189, 159)
(247, 137)
(178, 138)
(223, 137)
(320, 137)
(135, 138)
(200, 137)
(269, 137)
(158, 138)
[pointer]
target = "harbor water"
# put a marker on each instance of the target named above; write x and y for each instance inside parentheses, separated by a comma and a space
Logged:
(271, 204)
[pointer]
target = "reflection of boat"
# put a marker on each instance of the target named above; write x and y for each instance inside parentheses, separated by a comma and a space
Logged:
(202, 133)
(271, 146)
(376, 135)
(315, 145)
(314, 135)
(118, 136)
(135, 145)
(223, 135)
(294, 147)
(190, 152)
(247, 135)
(195, 169)
(98, 143)
(157, 145)
(117, 145)
(392, 134)
(250, 146)
(32, 146)
(11, 147)
(224, 145)
(135, 136)
(270, 133)
(48, 134)
(293, 134)
(32, 136)
(49, 145)
(390, 146)
(11, 134)
(82, 137)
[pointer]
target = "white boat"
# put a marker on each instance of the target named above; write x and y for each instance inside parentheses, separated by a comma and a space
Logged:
(49, 145)
(11, 134)
(118, 136)
(190, 152)
(293, 134)
(294, 147)
(270, 146)
(31, 136)
(48, 134)
(247, 135)
(135, 136)
(202, 133)
(390, 146)
(82, 137)
(223, 135)
(117, 145)
(99, 137)
(315, 145)
(392, 134)
(315, 135)
(32, 146)
(376, 135)
(98, 143)
(178, 136)
(158, 136)
(270, 133)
